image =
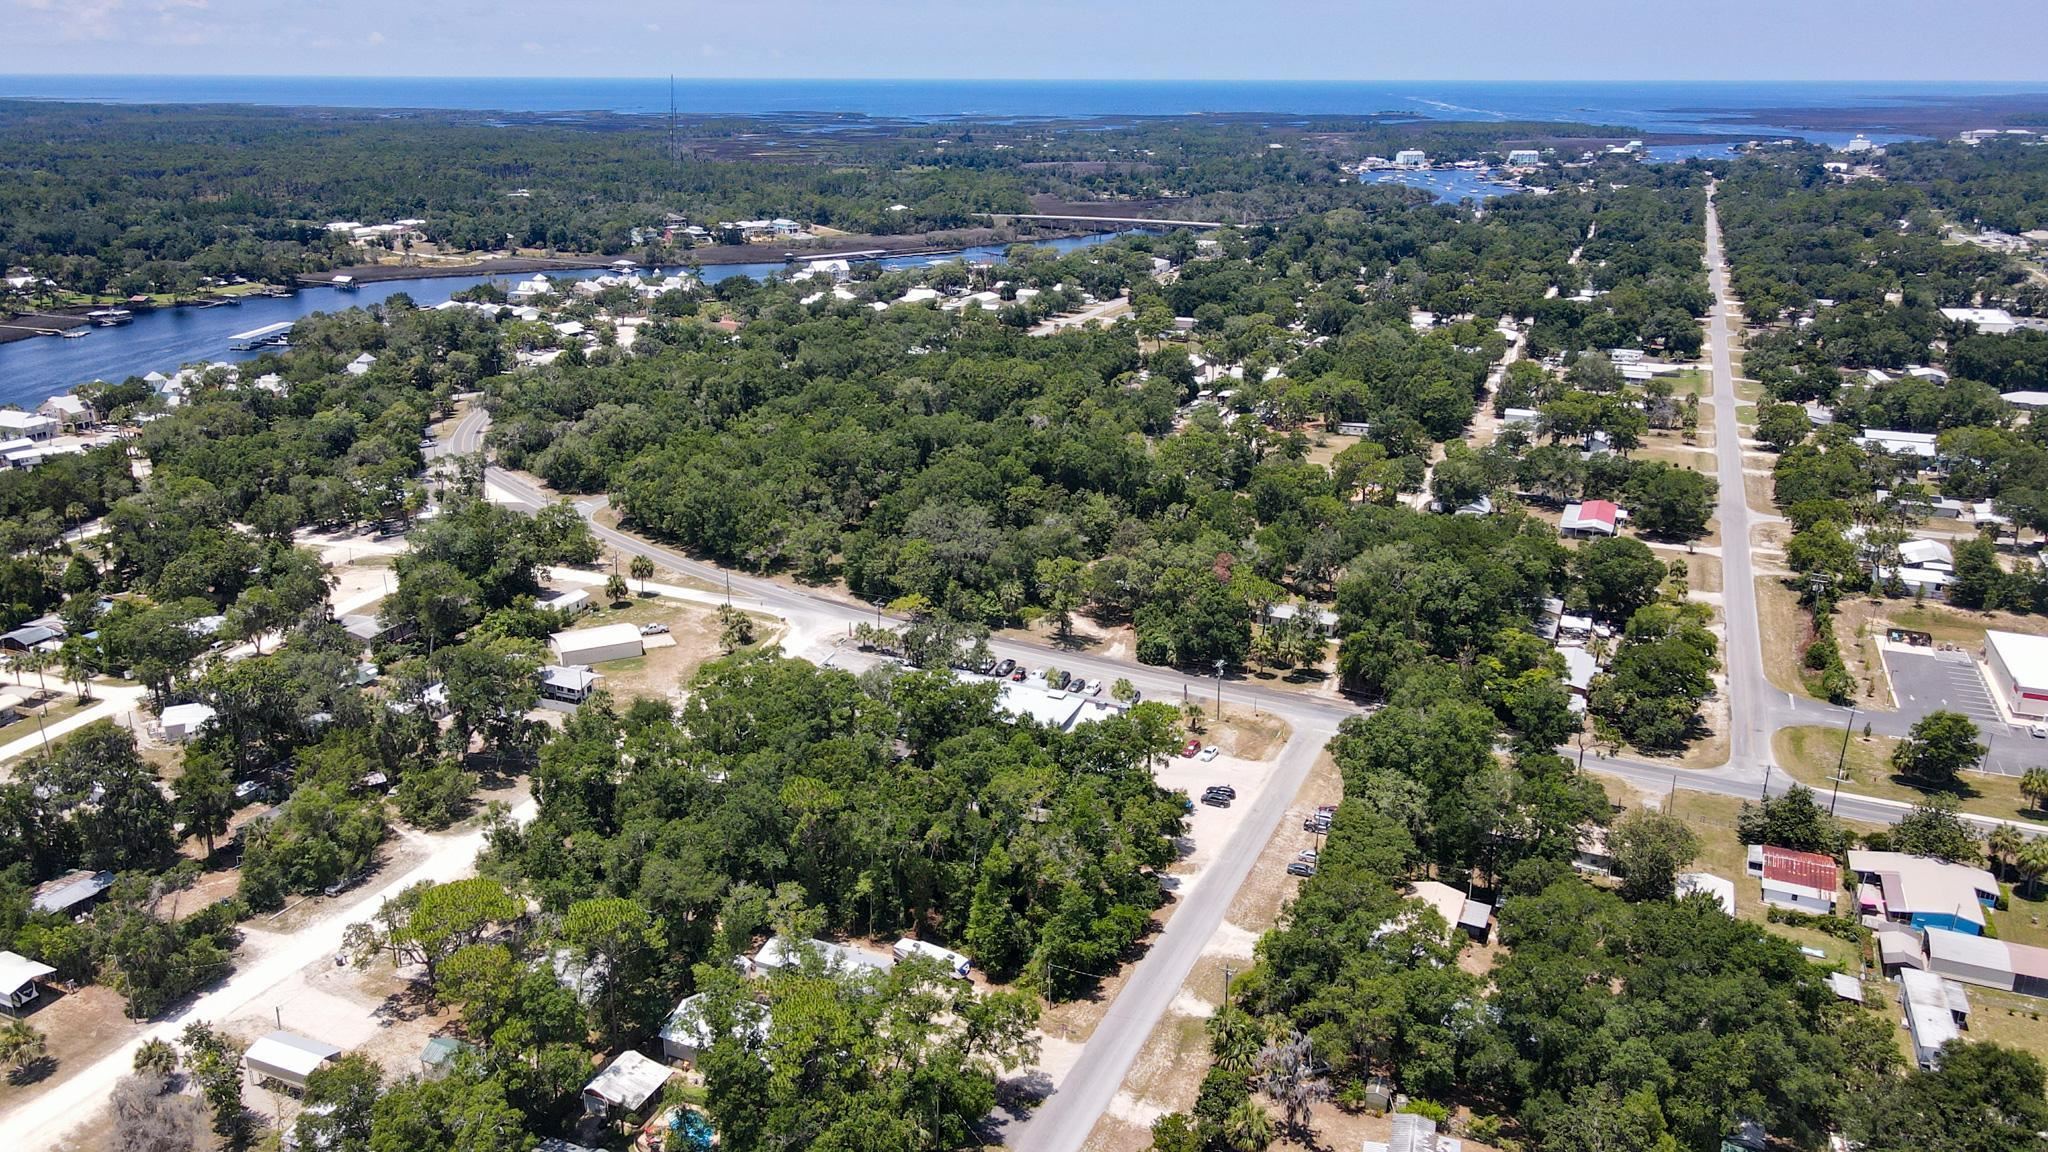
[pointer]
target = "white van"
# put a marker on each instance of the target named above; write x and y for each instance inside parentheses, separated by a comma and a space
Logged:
(954, 962)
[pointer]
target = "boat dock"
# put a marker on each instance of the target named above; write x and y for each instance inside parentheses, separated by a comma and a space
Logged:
(269, 336)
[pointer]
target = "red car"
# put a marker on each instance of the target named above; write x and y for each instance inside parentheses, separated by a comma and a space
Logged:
(1190, 748)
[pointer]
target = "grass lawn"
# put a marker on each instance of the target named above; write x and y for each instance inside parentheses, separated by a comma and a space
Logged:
(1784, 625)
(1809, 753)
(2025, 921)
(661, 671)
(64, 706)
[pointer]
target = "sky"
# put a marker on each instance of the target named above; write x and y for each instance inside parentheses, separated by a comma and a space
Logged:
(1363, 40)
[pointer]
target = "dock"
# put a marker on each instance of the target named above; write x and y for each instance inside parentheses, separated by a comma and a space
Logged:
(269, 336)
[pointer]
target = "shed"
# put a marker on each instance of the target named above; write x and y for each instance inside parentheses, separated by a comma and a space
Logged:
(625, 1085)
(438, 1055)
(181, 722)
(287, 1058)
(1936, 1012)
(1898, 949)
(597, 645)
(1979, 960)
(19, 976)
(1845, 987)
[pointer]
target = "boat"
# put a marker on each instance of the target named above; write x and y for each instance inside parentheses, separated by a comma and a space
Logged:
(110, 317)
(74, 333)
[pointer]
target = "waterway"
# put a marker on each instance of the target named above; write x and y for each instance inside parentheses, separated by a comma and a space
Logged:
(1448, 185)
(166, 339)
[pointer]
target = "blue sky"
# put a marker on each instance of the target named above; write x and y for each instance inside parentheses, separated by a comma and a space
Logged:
(1390, 40)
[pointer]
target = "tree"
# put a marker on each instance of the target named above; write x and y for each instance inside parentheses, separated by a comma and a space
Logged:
(1619, 575)
(642, 568)
(1288, 1072)
(615, 588)
(1649, 848)
(1979, 581)
(735, 629)
(205, 796)
(1124, 692)
(1933, 828)
(621, 940)
(2034, 786)
(149, 1119)
(217, 1069)
(156, 1058)
(1175, 1132)
(1782, 426)
(2032, 861)
(1668, 501)
(21, 1045)
(1794, 820)
(340, 1103)
(1940, 745)
(1248, 1127)
(427, 923)
(1979, 1098)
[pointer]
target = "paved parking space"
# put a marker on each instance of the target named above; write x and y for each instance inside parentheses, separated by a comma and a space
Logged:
(1929, 681)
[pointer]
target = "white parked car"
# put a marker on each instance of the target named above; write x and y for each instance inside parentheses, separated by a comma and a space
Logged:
(1209, 753)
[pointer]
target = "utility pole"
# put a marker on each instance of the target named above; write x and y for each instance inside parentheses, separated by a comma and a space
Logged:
(1842, 761)
(1219, 688)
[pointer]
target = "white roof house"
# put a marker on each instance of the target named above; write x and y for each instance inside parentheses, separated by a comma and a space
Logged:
(181, 722)
(1936, 1011)
(18, 977)
(1926, 892)
(686, 1034)
(2017, 666)
(1925, 553)
(1718, 887)
(287, 1057)
(16, 424)
(779, 953)
(597, 645)
(1920, 444)
(626, 1084)
(2025, 399)
(360, 365)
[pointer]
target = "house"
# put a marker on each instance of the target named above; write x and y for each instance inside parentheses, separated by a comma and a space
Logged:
(1916, 444)
(287, 1058)
(779, 953)
(597, 645)
(360, 365)
(30, 636)
(686, 1034)
(625, 1085)
(572, 684)
(1988, 962)
(2017, 666)
(73, 893)
(1592, 853)
(18, 425)
(1806, 881)
(2026, 401)
(1923, 892)
(1579, 669)
(1720, 888)
(1528, 418)
(1325, 620)
(1413, 1132)
(19, 977)
(67, 410)
(181, 722)
(1591, 518)
(1353, 428)
(570, 600)
(1460, 912)
(1989, 321)
(368, 630)
(1937, 1011)
(1483, 506)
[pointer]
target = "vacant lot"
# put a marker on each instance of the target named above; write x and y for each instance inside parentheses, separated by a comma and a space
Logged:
(1810, 753)
(671, 661)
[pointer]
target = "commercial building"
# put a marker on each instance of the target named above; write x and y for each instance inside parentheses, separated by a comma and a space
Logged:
(1805, 881)
(1915, 444)
(2017, 666)
(1989, 321)
(1523, 157)
(287, 1058)
(1923, 892)
(1410, 158)
(597, 645)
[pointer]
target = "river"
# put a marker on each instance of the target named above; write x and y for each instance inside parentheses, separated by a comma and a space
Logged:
(165, 339)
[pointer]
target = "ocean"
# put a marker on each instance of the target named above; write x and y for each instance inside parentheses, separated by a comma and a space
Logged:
(1641, 106)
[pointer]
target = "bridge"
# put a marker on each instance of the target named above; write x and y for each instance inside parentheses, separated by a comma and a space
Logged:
(1001, 218)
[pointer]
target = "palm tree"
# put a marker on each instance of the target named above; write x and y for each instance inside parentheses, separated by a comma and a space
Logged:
(2034, 786)
(2032, 861)
(1248, 1127)
(2004, 845)
(1234, 1040)
(642, 569)
(615, 587)
(156, 1058)
(21, 1045)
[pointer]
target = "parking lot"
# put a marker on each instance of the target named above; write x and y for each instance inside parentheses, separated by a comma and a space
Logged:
(1929, 680)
